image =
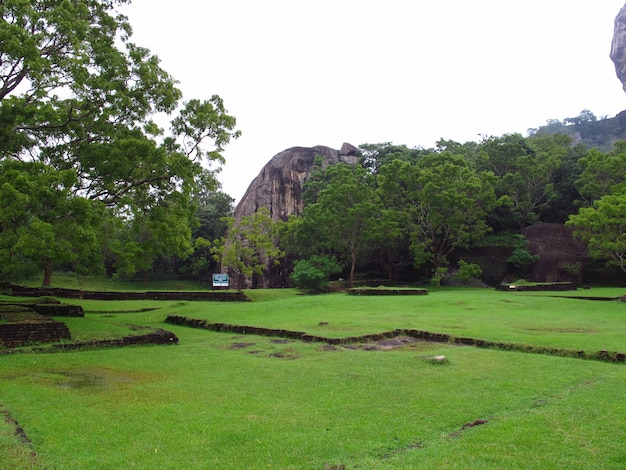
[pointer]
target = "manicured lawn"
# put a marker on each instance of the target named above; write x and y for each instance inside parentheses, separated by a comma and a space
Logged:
(520, 317)
(225, 401)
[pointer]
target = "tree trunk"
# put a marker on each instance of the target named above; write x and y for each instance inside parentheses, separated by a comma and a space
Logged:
(352, 269)
(47, 274)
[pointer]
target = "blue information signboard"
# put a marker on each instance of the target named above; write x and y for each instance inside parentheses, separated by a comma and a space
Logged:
(220, 280)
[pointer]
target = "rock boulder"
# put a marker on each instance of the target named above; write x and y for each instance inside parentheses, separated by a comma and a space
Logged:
(278, 187)
(618, 46)
(279, 184)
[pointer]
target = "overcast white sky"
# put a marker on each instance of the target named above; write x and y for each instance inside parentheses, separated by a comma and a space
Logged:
(324, 72)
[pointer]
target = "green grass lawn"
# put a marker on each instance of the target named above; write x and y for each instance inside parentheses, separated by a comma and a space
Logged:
(225, 401)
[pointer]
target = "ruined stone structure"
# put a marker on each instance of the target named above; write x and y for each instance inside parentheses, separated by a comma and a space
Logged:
(562, 257)
(21, 325)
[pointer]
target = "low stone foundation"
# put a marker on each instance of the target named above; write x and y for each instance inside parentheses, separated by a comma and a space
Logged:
(221, 296)
(20, 326)
(48, 308)
(157, 337)
(603, 355)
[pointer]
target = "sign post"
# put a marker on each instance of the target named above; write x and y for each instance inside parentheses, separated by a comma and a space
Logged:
(220, 280)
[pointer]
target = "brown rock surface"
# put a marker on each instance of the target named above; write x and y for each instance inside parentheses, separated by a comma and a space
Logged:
(558, 249)
(279, 184)
(278, 187)
(618, 46)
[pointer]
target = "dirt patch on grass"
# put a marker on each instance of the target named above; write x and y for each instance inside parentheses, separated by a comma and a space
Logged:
(397, 342)
(285, 355)
(90, 379)
(98, 379)
(466, 426)
(240, 345)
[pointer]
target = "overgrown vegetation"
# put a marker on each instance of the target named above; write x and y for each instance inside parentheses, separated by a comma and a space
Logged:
(430, 203)
(313, 274)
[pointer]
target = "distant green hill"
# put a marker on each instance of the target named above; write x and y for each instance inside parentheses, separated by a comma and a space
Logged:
(586, 129)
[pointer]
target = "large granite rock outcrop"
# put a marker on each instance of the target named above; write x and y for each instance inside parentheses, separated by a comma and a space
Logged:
(618, 46)
(278, 187)
(279, 184)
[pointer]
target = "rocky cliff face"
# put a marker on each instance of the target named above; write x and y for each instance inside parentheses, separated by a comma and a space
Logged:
(279, 184)
(279, 188)
(618, 46)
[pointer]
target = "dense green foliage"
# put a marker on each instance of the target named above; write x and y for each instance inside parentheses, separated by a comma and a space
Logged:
(312, 274)
(418, 206)
(603, 228)
(94, 178)
(248, 245)
(467, 271)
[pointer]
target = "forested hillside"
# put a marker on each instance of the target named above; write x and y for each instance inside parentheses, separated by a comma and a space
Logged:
(588, 130)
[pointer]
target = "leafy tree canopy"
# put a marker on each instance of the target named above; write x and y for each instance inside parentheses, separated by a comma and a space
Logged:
(77, 95)
(43, 224)
(603, 228)
(248, 245)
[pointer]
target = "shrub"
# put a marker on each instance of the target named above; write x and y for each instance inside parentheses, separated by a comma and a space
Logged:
(520, 258)
(467, 272)
(439, 274)
(313, 274)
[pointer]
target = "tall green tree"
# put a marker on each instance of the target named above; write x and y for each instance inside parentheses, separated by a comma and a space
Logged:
(395, 185)
(524, 168)
(445, 201)
(532, 188)
(249, 245)
(341, 222)
(43, 224)
(374, 156)
(603, 228)
(451, 207)
(566, 199)
(76, 93)
(213, 207)
(602, 173)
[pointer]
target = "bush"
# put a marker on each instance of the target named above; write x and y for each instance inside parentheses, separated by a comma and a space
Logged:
(467, 272)
(520, 258)
(439, 274)
(313, 274)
